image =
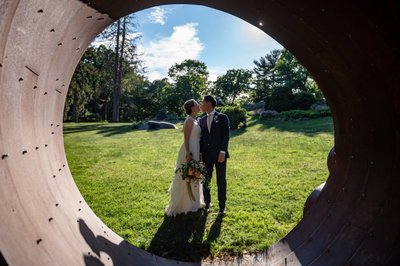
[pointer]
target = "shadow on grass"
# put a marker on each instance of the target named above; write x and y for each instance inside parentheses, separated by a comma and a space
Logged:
(104, 129)
(181, 237)
(237, 132)
(309, 127)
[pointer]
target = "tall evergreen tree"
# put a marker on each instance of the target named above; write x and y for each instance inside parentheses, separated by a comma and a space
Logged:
(265, 76)
(123, 36)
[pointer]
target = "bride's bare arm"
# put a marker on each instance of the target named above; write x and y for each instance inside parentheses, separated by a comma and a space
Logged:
(187, 130)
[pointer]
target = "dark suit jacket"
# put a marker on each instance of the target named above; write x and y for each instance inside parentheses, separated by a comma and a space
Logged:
(215, 141)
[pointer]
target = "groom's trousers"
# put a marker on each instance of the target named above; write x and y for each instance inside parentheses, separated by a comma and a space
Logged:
(221, 183)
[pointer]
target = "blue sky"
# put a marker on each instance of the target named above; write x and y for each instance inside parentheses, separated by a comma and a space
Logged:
(173, 33)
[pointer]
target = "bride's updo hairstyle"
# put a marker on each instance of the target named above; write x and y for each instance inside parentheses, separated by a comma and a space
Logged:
(188, 106)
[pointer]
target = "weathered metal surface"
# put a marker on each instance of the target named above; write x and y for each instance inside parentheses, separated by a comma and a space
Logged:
(351, 49)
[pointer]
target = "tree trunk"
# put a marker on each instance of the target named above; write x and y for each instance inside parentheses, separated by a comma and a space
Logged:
(121, 54)
(117, 85)
(119, 61)
(75, 99)
(105, 111)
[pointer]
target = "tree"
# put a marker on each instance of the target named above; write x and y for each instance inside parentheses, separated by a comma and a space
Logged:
(283, 83)
(123, 36)
(232, 84)
(103, 93)
(81, 87)
(265, 80)
(189, 80)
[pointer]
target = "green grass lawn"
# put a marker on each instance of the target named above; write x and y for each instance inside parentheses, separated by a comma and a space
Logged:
(125, 174)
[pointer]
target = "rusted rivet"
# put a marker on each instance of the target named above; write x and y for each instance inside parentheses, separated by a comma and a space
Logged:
(45, 93)
(35, 87)
(56, 204)
(60, 43)
(52, 30)
(24, 152)
(4, 156)
(38, 241)
(50, 219)
(20, 79)
(40, 11)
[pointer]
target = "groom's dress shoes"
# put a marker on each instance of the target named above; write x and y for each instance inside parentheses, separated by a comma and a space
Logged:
(222, 212)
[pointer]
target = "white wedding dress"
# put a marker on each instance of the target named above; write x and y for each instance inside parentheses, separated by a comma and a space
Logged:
(180, 201)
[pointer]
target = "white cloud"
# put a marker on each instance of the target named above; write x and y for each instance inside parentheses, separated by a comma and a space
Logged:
(159, 55)
(215, 72)
(101, 41)
(158, 15)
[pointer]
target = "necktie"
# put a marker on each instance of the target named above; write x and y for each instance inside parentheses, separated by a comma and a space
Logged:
(209, 117)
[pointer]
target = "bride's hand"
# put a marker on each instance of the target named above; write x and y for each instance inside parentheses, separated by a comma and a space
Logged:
(188, 157)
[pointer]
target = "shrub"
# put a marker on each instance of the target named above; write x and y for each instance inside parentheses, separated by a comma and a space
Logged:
(282, 99)
(269, 113)
(304, 114)
(237, 115)
(304, 100)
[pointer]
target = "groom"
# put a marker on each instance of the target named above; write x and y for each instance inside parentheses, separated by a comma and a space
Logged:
(214, 148)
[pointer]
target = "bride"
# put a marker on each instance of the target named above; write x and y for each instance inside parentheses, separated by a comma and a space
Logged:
(180, 201)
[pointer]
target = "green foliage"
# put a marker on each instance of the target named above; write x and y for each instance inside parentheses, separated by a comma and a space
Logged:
(265, 81)
(237, 115)
(280, 81)
(195, 171)
(274, 166)
(283, 83)
(231, 85)
(91, 86)
(303, 100)
(282, 99)
(189, 81)
(304, 114)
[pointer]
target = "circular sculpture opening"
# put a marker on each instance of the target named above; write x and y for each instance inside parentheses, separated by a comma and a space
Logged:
(353, 58)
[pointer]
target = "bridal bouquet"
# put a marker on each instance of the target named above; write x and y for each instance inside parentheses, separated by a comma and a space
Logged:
(194, 172)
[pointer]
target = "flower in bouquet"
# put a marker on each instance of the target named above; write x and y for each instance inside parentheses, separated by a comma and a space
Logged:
(194, 172)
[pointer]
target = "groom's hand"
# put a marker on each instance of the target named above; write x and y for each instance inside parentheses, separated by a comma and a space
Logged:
(221, 157)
